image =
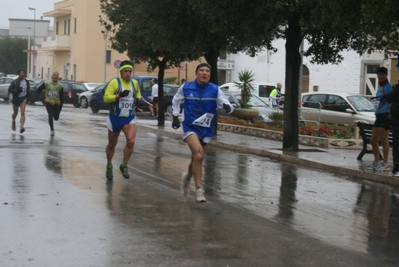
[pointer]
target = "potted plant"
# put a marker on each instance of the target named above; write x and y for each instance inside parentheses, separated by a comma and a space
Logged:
(244, 111)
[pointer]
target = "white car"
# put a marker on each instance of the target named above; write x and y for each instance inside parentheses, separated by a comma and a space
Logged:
(261, 89)
(337, 108)
(90, 86)
(84, 97)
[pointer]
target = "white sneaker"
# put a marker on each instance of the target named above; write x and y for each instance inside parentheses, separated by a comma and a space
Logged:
(199, 195)
(52, 133)
(383, 166)
(185, 184)
(394, 174)
(372, 166)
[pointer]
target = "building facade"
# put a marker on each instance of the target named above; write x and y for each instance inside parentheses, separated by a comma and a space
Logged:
(80, 51)
(355, 74)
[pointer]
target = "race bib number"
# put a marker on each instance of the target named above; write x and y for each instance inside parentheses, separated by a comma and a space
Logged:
(126, 103)
(376, 104)
(204, 120)
(52, 94)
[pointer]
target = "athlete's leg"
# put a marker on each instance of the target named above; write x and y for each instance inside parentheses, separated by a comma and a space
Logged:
(50, 112)
(112, 141)
(197, 156)
(14, 116)
(22, 108)
(130, 132)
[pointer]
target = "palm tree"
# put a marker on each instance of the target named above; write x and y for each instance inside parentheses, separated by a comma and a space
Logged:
(246, 78)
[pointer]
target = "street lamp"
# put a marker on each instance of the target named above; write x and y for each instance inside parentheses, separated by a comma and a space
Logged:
(34, 32)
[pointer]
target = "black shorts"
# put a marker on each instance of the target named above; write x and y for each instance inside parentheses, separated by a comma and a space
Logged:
(155, 100)
(382, 121)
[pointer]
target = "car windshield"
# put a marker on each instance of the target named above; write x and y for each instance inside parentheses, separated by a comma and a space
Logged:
(169, 90)
(361, 103)
(254, 101)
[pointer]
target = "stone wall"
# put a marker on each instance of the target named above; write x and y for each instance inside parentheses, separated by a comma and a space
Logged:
(303, 139)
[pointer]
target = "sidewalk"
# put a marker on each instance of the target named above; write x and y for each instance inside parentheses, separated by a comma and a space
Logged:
(339, 161)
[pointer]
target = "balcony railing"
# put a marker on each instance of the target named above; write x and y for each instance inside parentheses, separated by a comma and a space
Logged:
(57, 43)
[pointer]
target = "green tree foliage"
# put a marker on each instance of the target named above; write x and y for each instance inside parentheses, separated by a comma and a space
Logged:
(12, 57)
(167, 32)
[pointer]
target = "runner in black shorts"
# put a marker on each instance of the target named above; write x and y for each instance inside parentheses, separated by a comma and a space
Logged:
(20, 89)
(380, 133)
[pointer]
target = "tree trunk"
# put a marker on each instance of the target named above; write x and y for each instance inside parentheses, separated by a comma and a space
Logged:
(212, 59)
(292, 68)
(161, 73)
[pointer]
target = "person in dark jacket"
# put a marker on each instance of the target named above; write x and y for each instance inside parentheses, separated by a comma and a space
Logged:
(20, 90)
(393, 98)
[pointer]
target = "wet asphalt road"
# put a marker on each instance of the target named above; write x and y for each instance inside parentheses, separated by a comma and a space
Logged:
(57, 209)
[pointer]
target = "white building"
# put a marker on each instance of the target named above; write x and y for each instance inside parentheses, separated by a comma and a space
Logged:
(355, 74)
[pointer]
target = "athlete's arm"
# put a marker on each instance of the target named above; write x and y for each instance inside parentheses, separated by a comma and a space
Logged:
(222, 100)
(110, 92)
(177, 99)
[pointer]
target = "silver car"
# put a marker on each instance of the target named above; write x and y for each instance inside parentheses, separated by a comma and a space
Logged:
(337, 108)
(4, 84)
(255, 102)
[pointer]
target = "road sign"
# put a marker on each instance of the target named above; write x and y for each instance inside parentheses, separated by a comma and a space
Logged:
(117, 63)
(67, 65)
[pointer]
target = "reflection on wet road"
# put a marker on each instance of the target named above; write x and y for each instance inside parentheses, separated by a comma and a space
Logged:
(57, 202)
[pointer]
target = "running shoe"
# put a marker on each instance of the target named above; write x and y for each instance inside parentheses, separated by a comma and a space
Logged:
(199, 195)
(371, 167)
(394, 174)
(383, 167)
(109, 174)
(185, 184)
(22, 130)
(52, 133)
(13, 126)
(123, 171)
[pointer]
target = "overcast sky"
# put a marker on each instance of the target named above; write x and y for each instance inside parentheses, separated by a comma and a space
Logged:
(18, 9)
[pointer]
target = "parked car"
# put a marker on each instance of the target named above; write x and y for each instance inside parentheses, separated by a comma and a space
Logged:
(84, 98)
(90, 85)
(255, 103)
(4, 84)
(35, 83)
(97, 102)
(261, 89)
(337, 108)
(72, 90)
(169, 91)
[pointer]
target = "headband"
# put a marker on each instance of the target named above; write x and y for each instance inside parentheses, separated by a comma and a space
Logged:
(125, 66)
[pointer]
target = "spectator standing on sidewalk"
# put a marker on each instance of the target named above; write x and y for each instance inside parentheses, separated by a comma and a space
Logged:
(154, 99)
(201, 101)
(381, 127)
(54, 98)
(275, 95)
(20, 90)
(123, 93)
(393, 98)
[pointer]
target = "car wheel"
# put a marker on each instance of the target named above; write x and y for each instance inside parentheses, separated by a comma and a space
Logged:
(76, 105)
(84, 103)
(94, 107)
(5, 98)
(10, 97)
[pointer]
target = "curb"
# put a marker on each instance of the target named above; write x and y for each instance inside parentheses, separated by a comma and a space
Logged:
(285, 157)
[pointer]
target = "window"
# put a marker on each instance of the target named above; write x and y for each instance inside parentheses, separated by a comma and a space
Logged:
(69, 26)
(74, 24)
(336, 103)
(146, 86)
(265, 90)
(56, 27)
(314, 101)
(65, 24)
(108, 57)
